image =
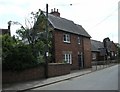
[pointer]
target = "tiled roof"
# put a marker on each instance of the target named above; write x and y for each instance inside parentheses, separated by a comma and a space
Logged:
(4, 31)
(96, 45)
(67, 25)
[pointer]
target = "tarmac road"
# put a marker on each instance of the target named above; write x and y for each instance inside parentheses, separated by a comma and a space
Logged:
(106, 79)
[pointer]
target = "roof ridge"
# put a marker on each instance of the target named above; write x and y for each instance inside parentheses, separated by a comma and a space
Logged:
(67, 25)
(61, 17)
(96, 40)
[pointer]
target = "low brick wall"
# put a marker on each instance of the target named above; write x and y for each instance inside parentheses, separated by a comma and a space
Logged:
(26, 75)
(54, 69)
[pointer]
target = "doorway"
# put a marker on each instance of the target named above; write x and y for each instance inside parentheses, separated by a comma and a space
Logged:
(81, 60)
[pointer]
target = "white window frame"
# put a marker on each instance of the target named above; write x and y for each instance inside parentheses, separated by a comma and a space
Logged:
(66, 38)
(94, 56)
(112, 53)
(68, 58)
(78, 39)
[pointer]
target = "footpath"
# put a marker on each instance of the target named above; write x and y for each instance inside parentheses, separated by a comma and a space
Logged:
(29, 85)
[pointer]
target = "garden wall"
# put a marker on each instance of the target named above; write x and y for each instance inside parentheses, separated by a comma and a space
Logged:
(55, 69)
(35, 73)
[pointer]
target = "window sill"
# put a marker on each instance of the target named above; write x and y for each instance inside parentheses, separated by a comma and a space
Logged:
(66, 42)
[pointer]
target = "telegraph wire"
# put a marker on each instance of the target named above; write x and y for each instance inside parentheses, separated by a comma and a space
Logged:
(108, 16)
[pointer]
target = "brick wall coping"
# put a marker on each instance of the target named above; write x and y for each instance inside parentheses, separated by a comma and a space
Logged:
(58, 64)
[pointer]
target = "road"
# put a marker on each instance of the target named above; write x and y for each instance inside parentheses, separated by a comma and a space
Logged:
(106, 79)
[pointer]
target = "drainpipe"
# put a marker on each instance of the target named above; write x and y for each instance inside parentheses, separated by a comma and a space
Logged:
(83, 52)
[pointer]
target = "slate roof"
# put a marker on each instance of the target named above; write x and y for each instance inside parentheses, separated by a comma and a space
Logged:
(67, 25)
(4, 31)
(96, 45)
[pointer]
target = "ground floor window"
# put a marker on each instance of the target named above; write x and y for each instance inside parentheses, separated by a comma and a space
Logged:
(68, 58)
(93, 56)
(112, 54)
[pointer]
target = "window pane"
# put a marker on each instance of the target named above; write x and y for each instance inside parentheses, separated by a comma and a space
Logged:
(64, 37)
(68, 37)
(94, 56)
(78, 40)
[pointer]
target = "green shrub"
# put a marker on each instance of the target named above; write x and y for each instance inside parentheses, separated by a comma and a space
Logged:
(17, 56)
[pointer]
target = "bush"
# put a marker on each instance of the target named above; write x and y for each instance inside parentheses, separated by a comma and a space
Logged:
(16, 56)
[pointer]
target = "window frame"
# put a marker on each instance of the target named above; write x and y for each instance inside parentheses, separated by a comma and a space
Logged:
(78, 40)
(68, 58)
(66, 38)
(94, 56)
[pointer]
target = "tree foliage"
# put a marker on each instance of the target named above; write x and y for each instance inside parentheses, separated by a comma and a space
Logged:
(28, 49)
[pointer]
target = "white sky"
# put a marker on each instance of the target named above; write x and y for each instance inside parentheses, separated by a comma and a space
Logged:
(98, 17)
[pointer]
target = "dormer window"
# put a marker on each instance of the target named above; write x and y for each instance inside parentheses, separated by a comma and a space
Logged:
(66, 38)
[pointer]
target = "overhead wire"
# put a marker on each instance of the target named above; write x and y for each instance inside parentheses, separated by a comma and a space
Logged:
(104, 19)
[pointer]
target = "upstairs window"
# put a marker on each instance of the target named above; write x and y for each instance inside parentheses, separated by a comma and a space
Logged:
(66, 38)
(78, 40)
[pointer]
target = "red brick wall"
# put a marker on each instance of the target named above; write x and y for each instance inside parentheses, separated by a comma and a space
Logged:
(87, 52)
(55, 69)
(28, 74)
(60, 46)
(114, 47)
(98, 56)
(73, 46)
(35, 73)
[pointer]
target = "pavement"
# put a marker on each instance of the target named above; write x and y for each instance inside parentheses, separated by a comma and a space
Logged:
(29, 85)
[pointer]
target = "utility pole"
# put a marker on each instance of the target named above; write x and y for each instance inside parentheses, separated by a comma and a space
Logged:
(46, 53)
(9, 26)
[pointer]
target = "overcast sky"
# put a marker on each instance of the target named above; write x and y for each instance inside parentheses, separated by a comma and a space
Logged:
(98, 17)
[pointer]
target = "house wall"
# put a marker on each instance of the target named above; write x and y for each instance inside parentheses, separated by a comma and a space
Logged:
(87, 52)
(113, 51)
(94, 56)
(60, 47)
(114, 47)
(98, 56)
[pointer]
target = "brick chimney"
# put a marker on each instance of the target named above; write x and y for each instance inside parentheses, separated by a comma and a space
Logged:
(55, 12)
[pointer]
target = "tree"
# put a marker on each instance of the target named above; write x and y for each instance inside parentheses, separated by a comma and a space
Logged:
(28, 48)
(36, 35)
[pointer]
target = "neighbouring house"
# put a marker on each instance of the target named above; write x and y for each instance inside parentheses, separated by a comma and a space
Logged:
(103, 50)
(71, 42)
(98, 51)
(5, 31)
(111, 48)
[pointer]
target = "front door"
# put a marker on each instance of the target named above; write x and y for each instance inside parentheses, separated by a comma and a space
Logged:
(80, 61)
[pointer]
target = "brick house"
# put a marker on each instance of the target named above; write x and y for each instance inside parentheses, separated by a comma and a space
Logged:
(4, 31)
(106, 48)
(111, 48)
(96, 47)
(71, 43)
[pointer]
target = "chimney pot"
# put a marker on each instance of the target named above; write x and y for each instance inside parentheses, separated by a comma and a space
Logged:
(54, 9)
(51, 10)
(55, 12)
